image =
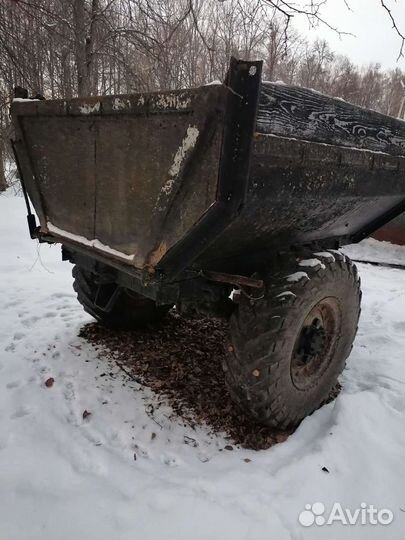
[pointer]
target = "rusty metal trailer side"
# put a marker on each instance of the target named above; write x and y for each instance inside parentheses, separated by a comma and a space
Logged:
(214, 178)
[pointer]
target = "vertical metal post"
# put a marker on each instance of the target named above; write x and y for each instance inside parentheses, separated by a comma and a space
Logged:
(243, 81)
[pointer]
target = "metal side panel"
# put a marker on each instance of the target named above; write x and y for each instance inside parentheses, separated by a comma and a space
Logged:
(62, 158)
(303, 192)
(128, 176)
(291, 111)
(156, 177)
(243, 80)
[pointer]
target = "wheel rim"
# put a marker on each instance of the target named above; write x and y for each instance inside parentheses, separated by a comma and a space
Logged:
(316, 343)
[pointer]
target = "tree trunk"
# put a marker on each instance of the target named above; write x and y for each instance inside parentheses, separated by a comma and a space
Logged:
(85, 30)
(79, 24)
(3, 184)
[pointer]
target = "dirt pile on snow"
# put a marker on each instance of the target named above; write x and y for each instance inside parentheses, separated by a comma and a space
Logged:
(180, 360)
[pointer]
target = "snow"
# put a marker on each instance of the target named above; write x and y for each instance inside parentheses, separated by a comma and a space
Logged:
(22, 100)
(311, 263)
(376, 251)
(214, 83)
(297, 276)
(64, 477)
(326, 255)
(303, 141)
(279, 83)
(86, 242)
(286, 294)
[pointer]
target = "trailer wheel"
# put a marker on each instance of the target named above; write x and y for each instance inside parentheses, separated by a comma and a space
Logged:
(129, 310)
(288, 348)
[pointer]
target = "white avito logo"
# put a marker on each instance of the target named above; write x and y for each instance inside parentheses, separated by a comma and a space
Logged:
(365, 515)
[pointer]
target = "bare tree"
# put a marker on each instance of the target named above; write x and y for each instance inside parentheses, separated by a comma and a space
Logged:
(67, 48)
(3, 184)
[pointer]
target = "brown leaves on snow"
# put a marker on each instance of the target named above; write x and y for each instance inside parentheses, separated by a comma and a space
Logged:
(180, 360)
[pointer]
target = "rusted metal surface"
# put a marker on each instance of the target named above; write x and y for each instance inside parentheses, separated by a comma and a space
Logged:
(62, 157)
(392, 232)
(243, 81)
(169, 181)
(133, 172)
(301, 192)
(232, 279)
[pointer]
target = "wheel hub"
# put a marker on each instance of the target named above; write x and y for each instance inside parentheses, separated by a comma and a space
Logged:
(312, 341)
(315, 344)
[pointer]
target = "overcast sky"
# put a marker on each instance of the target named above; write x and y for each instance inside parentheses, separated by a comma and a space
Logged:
(374, 40)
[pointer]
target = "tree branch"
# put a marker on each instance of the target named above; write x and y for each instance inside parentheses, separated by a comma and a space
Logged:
(395, 27)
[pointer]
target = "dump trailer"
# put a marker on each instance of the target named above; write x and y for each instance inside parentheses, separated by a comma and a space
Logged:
(228, 200)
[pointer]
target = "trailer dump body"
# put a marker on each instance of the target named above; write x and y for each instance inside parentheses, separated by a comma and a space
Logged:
(209, 177)
(321, 170)
(107, 172)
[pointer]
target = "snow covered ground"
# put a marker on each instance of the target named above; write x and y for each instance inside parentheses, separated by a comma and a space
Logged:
(374, 250)
(63, 476)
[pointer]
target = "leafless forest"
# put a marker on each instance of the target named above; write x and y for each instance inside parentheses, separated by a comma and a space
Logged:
(66, 48)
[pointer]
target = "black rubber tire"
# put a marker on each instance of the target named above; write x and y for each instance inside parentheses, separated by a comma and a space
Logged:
(130, 311)
(264, 334)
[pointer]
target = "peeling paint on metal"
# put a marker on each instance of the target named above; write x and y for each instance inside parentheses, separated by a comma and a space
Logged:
(187, 144)
(173, 101)
(121, 104)
(90, 108)
(168, 186)
(157, 255)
